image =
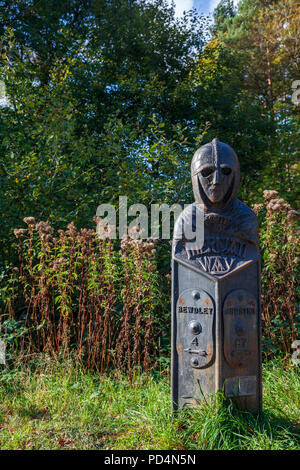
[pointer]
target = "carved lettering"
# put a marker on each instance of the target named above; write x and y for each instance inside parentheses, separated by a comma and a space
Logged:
(240, 311)
(200, 310)
(216, 264)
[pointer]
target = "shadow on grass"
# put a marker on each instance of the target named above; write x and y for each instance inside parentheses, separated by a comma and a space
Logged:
(222, 425)
(275, 424)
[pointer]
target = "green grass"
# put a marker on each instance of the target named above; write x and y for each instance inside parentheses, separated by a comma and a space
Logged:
(47, 405)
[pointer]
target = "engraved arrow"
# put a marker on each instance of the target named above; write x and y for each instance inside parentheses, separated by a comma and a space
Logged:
(196, 351)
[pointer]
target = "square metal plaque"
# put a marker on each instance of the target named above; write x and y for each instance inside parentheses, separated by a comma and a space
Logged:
(240, 386)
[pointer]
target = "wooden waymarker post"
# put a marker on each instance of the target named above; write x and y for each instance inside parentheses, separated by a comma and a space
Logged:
(216, 328)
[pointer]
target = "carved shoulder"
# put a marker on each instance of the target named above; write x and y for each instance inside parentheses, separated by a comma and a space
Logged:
(246, 210)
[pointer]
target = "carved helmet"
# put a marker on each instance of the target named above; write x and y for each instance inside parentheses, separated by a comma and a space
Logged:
(215, 172)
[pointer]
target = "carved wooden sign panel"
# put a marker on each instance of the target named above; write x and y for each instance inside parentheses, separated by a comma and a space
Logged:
(240, 328)
(216, 334)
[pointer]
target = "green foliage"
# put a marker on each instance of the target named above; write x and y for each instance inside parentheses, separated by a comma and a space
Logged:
(112, 98)
(263, 37)
(223, 14)
(89, 85)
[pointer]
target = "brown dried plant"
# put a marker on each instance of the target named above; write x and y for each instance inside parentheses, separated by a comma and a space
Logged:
(279, 237)
(84, 295)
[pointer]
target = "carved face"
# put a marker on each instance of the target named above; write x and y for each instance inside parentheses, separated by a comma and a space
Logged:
(216, 175)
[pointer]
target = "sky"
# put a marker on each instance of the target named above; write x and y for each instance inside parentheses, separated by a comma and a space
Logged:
(204, 6)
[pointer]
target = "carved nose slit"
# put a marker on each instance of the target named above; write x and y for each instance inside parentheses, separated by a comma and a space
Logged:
(216, 177)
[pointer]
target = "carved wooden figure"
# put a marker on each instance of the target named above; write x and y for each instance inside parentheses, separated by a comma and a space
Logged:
(216, 338)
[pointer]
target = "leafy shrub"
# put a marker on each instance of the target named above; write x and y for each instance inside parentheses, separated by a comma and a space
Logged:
(76, 292)
(279, 237)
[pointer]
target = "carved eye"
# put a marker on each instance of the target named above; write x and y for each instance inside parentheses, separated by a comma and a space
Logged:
(207, 171)
(226, 170)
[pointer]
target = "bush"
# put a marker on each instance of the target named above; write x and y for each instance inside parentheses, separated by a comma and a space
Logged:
(280, 271)
(75, 292)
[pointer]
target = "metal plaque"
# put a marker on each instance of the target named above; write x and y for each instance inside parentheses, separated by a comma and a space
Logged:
(195, 319)
(240, 328)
